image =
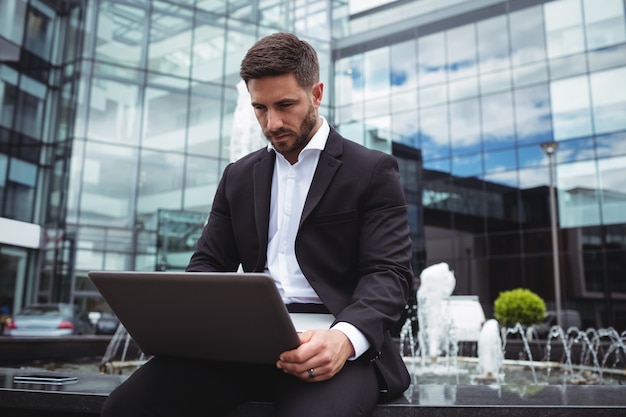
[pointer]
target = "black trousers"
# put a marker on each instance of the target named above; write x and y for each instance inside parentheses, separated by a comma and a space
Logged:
(182, 387)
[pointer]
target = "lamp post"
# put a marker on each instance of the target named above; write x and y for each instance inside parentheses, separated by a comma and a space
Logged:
(549, 148)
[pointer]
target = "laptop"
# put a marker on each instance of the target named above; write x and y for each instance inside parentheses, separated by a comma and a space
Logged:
(237, 317)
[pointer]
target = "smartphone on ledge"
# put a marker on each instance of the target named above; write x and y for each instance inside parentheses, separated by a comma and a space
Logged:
(44, 379)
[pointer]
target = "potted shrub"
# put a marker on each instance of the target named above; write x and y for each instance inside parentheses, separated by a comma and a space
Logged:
(519, 306)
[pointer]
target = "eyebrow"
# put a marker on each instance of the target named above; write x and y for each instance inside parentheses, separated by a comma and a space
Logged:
(279, 102)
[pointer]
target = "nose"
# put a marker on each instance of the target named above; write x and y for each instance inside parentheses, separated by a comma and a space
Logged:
(274, 121)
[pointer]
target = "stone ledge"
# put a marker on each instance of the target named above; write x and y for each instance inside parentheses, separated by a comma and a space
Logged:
(85, 398)
(16, 403)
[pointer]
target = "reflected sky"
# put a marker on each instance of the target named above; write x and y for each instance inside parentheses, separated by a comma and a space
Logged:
(479, 99)
(451, 68)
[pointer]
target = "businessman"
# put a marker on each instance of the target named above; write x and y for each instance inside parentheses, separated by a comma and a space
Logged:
(326, 218)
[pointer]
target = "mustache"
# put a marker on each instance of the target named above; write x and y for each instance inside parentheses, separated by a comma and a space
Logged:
(278, 132)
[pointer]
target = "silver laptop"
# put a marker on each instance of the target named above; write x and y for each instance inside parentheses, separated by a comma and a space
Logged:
(219, 316)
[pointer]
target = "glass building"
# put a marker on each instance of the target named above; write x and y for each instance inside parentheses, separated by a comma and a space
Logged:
(118, 117)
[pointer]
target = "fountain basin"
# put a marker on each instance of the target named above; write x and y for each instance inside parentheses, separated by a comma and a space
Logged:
(518, 373)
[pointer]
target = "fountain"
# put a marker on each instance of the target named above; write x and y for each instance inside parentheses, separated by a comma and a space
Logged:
(586, 357)
(437, 284)
(490, 354)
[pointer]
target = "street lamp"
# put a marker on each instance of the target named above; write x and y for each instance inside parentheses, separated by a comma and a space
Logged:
(549, 148)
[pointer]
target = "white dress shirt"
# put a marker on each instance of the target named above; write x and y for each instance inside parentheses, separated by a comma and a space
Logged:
(290, 186)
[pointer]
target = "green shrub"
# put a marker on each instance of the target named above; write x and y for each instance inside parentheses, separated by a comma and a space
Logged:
(519, 306)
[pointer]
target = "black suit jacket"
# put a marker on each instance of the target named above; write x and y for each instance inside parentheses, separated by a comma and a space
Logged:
(353, 242)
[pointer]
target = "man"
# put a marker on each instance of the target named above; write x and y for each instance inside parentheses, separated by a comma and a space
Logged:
(327, 220)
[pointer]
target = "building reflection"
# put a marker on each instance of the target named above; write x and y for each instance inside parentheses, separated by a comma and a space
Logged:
(115, 112)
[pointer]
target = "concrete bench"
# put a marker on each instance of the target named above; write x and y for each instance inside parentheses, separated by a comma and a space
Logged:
(85, 398)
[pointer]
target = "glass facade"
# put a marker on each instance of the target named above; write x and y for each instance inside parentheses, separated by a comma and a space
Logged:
(118, 117)
(478, 93)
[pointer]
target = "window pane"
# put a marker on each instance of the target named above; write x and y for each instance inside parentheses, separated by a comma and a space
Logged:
(165, 117)
(406, 128)
(464, 88)
(609, 101)
(604, 23)
(39, 33)
(4, 163)
(353, 131)
(532, 115)
(74, 182)
(461, 52)
(121, 34)
(493, 44)
(530, 74)
(432, 59)
(169, 50)
(568, 66)
(376, 107)
(577, 186)
(117, 262)
(30, 108)
(508, 178)
(500, 161)
(495, 81)
(376, 73)
(403, 64)
(378, 134)
(612, 189)
(467, 165)
(20, 190)
(564, 28)
(12, 20)
(88, 260)
(497, 120)
(208, 48)
(570, 108)
(431, 95)
(610, 57)
(465, 126)
(575, 150)
(205, 111)
(113, 112)
(611, 145)
(434, 127)
(160, 182)
(527, 40)
(22, 172)
(201, 181)
(532, 156)
(239, 40)
(8, 102)
(108, 185)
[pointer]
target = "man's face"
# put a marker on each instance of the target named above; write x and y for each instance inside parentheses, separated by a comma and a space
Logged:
(286, 112)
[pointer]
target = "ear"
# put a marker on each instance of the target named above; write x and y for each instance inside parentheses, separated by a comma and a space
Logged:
(317, 92)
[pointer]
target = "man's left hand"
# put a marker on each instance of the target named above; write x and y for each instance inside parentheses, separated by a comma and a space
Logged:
(321, 355)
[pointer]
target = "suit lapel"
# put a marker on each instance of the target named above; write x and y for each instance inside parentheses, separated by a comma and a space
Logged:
(262, 173)
(326, 169)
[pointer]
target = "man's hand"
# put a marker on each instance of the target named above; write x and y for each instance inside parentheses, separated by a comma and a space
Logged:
(321, 355)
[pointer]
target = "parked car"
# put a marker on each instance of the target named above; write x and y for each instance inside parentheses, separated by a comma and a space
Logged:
(569, 318)
(467, 317)
(5, 316)
(107, 323)
(48, 319)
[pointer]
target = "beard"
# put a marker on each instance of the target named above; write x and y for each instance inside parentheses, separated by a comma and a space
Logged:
(302, 135)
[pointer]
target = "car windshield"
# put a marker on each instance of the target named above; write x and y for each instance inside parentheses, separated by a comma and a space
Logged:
(52, 311)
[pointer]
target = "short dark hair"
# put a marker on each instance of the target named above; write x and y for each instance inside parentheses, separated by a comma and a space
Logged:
(278, 54)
